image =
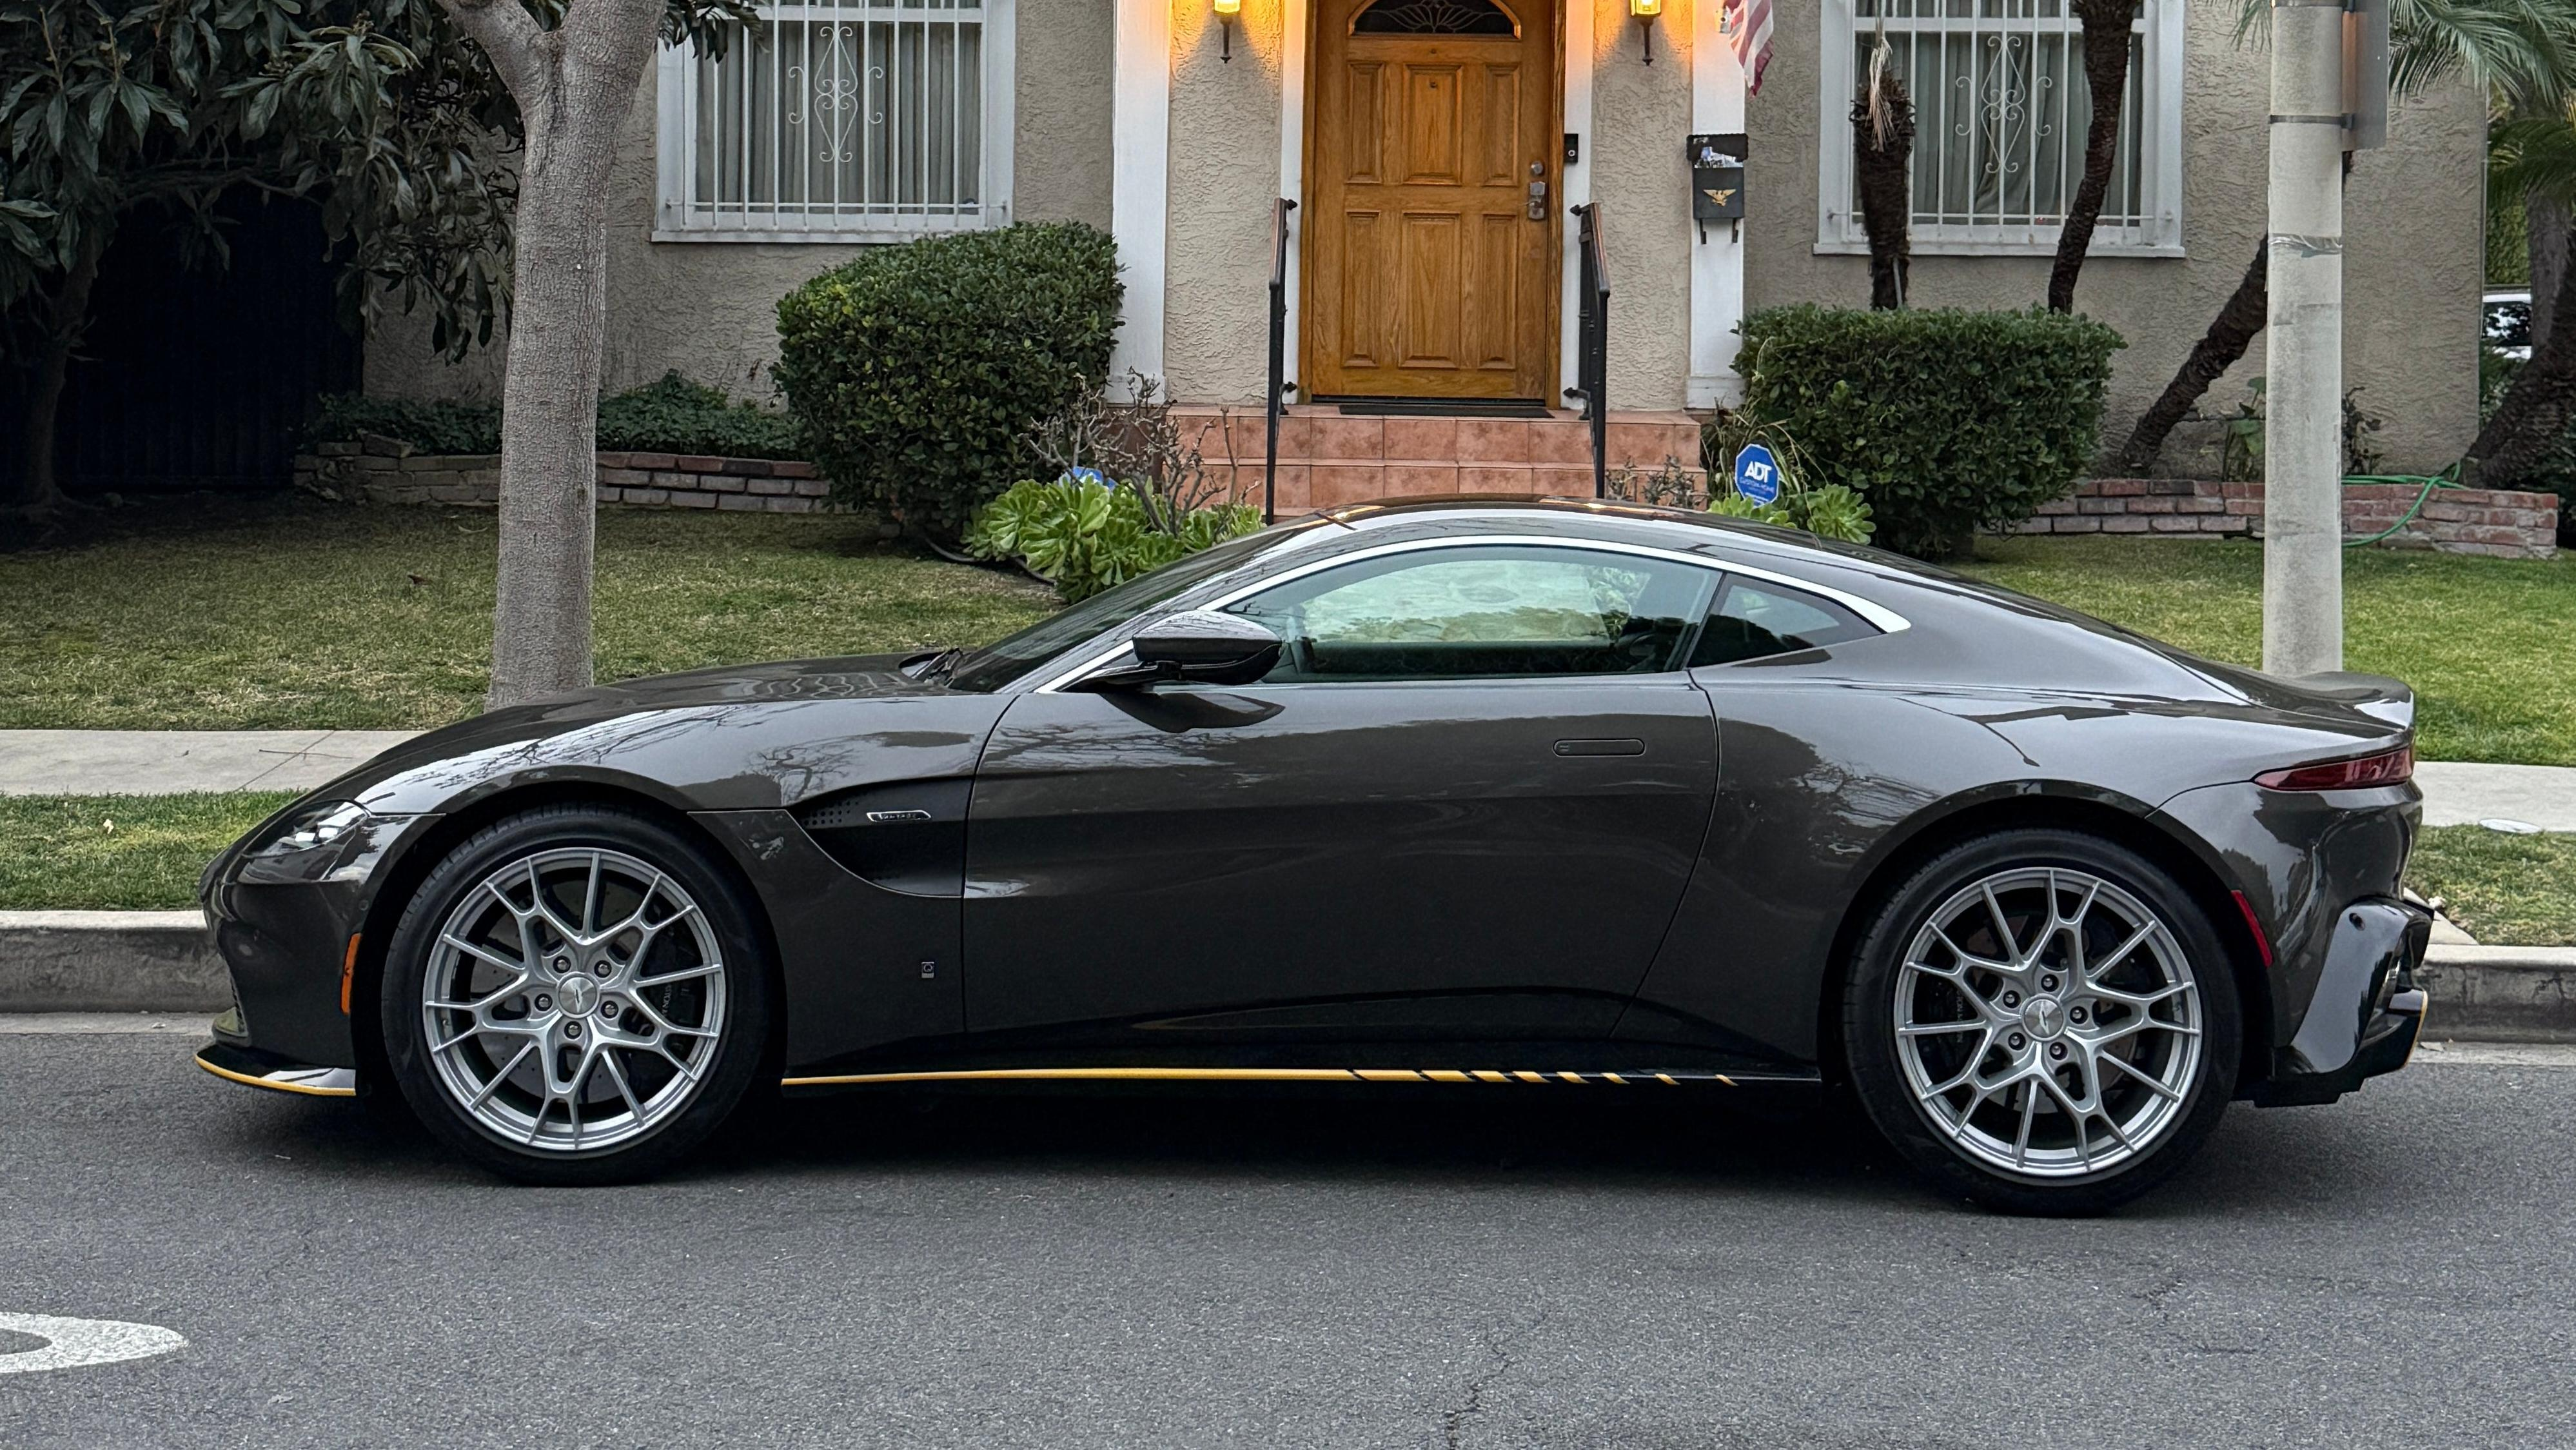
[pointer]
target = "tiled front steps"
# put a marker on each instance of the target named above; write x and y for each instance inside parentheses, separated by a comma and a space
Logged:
(1327, 457)
(2453, 520)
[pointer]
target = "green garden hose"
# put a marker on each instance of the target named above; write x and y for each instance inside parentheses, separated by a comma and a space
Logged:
(2447, 478)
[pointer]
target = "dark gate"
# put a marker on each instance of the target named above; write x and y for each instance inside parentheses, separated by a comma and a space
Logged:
(201, 376)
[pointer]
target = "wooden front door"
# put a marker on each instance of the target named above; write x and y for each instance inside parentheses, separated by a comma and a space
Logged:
(1426, 274)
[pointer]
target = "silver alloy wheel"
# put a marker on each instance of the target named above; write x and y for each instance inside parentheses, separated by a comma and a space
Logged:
(2048, 1022)
(574, 999)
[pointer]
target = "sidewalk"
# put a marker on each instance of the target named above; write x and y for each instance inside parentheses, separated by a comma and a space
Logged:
(168, 762)
(164, 762)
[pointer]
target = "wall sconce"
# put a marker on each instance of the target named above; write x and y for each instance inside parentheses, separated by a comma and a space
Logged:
(1646, 11)
(1226, 10)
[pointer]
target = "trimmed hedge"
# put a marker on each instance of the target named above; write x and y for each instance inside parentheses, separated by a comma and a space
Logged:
(920, 372)
(670, 416)
(1945, 420)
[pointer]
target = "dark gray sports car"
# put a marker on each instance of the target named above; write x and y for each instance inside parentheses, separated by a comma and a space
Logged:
(1505, 796)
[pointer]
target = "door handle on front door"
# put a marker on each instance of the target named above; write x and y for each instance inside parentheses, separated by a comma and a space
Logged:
(1537, 194)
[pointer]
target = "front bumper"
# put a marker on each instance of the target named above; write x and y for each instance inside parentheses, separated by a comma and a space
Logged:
(2367, 1011)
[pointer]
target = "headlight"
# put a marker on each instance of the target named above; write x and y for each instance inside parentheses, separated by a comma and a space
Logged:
(316, 825)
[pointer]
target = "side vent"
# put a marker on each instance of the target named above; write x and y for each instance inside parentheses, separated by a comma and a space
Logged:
(907, 836)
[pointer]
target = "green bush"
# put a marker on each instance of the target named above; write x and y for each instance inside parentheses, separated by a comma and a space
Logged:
(435, 427)
(920, 372)
(1084, 536)
(1943, 420)
(679, 416)
(2556, 471)
(670, 416)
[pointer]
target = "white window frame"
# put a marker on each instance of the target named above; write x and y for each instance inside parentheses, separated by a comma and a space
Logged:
(1838, 228)
(675, 219)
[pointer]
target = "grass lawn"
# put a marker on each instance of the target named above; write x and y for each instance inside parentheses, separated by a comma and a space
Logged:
(287, 614)
(118, 852)
(72, 853)
(2487, 643)
(2504, 890)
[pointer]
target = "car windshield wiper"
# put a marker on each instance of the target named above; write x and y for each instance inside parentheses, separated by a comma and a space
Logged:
(940, 665)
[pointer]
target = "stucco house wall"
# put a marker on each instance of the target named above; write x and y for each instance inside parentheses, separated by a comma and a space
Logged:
(2414, 223)
(2413, 218)
(710, 309)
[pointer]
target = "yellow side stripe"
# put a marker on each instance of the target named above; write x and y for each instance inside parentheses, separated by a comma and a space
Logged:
(272, 1085)
(1150, 1074)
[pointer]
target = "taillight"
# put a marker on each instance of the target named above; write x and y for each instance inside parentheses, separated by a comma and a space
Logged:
(2389, 767)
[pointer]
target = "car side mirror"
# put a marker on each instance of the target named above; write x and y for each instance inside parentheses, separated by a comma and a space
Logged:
(1200, 646)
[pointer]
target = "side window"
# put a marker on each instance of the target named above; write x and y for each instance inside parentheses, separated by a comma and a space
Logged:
(1757, 618)
(1485, 612)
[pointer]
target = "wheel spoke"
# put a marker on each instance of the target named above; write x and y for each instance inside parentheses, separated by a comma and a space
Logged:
(1941, 1029)
(590, 897)
(625, 1090)
(2003, 927)
(2154, 1084)
(502, 1076)
(2029, 1110)
(685, 974)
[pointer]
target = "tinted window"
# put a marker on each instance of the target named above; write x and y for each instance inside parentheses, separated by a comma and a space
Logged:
(1753, 619)
(1497, 611)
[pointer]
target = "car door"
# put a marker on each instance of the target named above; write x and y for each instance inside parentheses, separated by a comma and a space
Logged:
(1462, 807)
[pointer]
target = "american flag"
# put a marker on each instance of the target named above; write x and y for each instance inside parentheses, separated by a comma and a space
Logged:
(1748, 26)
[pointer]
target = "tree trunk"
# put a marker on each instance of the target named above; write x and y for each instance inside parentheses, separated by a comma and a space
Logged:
(2106, 73)
(66, 320)
(1882, 145)
(2219, 348)
(2536, 411)
(2546, 225)
(574, 85)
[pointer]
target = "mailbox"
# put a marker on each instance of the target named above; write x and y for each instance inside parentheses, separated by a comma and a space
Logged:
(1717, 178)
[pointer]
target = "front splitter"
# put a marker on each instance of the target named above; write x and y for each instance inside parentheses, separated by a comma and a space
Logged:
(253, 1068)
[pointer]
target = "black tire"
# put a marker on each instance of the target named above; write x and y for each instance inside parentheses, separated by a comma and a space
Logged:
(1953, 1137)
(727, 1064)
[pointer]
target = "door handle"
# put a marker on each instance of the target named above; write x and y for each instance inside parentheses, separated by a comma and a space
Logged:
(1601, 747)
(1538, 201)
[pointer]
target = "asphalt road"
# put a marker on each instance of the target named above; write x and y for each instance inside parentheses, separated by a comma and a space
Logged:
(1429, 1267)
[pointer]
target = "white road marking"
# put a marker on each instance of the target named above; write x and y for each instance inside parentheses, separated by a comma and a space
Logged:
(72, 1343)
(48, 1023)
(2497, 1054)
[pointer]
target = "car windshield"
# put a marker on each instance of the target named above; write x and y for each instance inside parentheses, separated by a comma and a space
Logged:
(1008, 658)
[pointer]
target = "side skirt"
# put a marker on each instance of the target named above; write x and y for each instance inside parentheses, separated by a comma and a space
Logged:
(1625, 1078)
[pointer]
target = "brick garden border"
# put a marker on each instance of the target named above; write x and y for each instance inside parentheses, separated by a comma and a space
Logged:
(360, 473)
(2453, 520)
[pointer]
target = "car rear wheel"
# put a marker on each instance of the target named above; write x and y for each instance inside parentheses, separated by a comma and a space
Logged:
(2043, 1021)
(575, 995)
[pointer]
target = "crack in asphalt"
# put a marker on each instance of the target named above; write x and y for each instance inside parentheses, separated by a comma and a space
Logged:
(1453, 1422)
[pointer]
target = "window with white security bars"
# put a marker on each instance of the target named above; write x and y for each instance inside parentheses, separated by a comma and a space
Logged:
(2001, 111)
(856, 121)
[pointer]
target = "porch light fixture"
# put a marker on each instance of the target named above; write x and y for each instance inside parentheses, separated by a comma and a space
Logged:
(1646, 11)
(1226, 10)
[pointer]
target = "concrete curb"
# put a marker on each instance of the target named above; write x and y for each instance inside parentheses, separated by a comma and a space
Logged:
(109, 961)
(161, 961)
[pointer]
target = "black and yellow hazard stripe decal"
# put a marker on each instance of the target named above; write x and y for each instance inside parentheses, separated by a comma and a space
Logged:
(1260, 1074)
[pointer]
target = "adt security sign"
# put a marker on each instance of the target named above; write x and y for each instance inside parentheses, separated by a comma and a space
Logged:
(1757, 474)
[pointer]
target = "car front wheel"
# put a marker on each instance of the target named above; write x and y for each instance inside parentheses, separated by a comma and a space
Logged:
(2043, 1021)
(575, 995)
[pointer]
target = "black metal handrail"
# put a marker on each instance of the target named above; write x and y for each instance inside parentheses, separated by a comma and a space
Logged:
(1279, 385)
(1592, 342)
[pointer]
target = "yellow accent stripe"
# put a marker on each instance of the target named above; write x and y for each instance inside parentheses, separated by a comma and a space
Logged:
(1147, 1074)
(1135, 1074)
(276, 1087)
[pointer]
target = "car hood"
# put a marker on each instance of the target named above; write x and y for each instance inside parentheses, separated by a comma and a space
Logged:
(738, 737)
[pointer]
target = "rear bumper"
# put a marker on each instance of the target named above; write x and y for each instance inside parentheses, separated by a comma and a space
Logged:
(2367, 1011)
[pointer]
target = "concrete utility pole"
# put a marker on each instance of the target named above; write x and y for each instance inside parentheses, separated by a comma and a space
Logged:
(2303, 348)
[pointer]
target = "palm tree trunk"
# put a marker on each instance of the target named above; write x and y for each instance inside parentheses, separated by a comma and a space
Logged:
(2106, 73)
(1882, 144)
(66, 320)
(2229, 335)
(2546, 226)
(2542, 402)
